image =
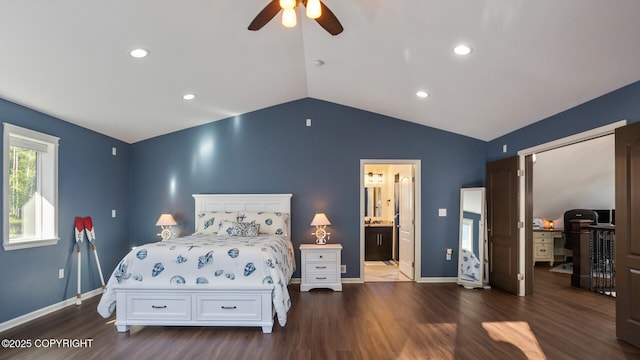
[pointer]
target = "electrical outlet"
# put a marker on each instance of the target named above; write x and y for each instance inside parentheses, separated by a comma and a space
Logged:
(60, 273)
(343, 269)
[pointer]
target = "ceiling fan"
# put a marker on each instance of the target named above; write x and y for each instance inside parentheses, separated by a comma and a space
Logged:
(315, 9)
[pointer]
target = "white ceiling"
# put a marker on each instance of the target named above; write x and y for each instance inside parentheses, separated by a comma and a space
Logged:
(531, 59)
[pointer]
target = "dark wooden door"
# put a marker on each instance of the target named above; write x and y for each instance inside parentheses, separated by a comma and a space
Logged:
(502, 223)
(627, 253)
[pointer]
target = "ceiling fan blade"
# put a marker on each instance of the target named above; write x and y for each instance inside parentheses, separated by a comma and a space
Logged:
(329, 21)
(265, 15)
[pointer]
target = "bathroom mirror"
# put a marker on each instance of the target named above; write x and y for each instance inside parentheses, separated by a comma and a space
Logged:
(372, 201)
(472, 249)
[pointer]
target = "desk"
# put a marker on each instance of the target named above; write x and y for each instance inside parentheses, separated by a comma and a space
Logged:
(543, 245)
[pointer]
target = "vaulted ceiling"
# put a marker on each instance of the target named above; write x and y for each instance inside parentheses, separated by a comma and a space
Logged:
(530, 60)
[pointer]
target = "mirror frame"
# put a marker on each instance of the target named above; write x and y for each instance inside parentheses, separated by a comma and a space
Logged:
(481, 242)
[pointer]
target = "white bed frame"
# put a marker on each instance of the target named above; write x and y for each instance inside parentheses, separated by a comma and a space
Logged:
(194, 306)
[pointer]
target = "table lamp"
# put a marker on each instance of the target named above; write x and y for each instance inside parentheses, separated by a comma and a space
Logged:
(166, 221)
(320, 221)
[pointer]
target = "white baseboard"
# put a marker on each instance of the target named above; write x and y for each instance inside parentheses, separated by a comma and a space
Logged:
(427, 280)
(423, 280)
(46, 310)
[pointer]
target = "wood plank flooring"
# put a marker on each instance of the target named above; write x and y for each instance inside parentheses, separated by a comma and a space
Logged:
(396, 320)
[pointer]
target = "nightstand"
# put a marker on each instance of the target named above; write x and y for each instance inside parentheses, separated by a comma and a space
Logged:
(320, 266)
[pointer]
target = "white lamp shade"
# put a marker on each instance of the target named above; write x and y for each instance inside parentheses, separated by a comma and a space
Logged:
(166, 220)
(320, 219)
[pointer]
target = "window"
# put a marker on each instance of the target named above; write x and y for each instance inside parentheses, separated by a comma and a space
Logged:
(30, 188)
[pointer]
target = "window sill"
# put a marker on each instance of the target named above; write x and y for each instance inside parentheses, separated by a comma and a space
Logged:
(29, 244)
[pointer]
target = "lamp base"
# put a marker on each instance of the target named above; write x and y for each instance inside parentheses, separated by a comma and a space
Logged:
(166, 234)
(321, 241)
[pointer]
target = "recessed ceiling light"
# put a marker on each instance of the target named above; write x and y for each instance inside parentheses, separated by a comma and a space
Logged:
(139, 53)
(462, 49)
(422, 94)
(189, 96)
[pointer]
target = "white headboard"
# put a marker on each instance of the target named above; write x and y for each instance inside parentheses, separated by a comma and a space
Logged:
(242, 202)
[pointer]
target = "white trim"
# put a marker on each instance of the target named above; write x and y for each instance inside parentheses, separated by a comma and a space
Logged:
(9, 324)
(569, 140)
(417, 211)
(49, 188)
(438, 280)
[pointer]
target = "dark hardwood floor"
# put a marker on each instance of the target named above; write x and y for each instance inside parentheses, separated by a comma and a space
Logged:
(400, 320)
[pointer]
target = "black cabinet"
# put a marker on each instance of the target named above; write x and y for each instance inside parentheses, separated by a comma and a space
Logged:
(378, 243)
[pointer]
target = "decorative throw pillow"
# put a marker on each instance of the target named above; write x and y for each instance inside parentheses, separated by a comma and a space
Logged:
(209, 222)
(245, 229)
(271, 223)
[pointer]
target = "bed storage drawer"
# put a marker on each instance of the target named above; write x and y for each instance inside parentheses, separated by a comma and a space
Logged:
(227, 307)
(169, 307)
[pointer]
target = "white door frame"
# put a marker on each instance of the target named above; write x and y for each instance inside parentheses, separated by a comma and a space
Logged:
(417, 211)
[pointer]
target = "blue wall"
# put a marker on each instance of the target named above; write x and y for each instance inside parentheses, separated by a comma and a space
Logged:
(91, 182)
(621, 104)
(272, 151)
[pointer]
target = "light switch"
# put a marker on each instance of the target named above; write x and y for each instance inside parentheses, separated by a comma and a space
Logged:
(442, 212)
(113, 213)
(308, 122)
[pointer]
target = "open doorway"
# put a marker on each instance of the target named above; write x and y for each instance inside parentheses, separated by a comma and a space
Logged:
(390, 239)
(571, 173)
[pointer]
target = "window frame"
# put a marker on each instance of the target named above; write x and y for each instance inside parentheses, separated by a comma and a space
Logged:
(48, 180)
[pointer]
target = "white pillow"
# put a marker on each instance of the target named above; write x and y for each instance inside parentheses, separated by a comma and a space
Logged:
(271, 223)
(209, 222)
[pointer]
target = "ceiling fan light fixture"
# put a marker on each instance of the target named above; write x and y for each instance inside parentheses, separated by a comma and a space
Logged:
(314, 10)
(289, 18)
(287, 4)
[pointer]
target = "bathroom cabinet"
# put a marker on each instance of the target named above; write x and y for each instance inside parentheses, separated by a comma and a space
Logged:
(378, 243)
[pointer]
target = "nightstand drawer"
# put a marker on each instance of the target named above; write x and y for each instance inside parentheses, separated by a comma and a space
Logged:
(322, 278)
(329, 256)
(320, 267)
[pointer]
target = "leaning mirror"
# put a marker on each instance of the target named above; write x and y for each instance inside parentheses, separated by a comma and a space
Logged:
(472, 270)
